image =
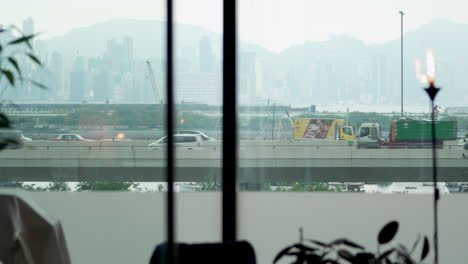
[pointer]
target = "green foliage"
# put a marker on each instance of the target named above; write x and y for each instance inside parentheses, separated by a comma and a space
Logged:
(58, 187)
(51, 187)
(108, 186)
(11, 55)
(10, 69)
(310, 187)
(209, 187)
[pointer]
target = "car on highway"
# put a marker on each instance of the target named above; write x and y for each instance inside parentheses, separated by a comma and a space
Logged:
(195, 132)
(12, 139)
(180, 140)
(69, 137)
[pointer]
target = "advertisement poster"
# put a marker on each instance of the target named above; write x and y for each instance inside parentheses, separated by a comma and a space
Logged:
(315, 128)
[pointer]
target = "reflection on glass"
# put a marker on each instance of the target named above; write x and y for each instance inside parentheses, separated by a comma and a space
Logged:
(90, 101)
(319, 105)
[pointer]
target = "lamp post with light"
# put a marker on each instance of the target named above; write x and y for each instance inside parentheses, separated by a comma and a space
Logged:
(432, 91)
(401, 48)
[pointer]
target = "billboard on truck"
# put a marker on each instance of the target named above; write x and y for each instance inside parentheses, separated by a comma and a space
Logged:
(316, 128)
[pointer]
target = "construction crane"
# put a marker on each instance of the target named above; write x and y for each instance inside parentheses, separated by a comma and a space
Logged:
(153, 82)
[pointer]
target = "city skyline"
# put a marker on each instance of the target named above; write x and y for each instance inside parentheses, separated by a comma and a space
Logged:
(107, 62)
(272, 24)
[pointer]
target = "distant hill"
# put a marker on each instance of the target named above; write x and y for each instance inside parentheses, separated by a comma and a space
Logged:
(148, 37)
(341, 69)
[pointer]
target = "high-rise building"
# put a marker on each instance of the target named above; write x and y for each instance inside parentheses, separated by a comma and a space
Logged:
(102, 86)
(198, 88)
(79, 64)
(56, 68)
(28, 26)
(79, 82)
(250, 78)
(119, 55)
(206, 55)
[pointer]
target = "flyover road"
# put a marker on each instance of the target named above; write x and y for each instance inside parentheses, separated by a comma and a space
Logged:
(264, 161)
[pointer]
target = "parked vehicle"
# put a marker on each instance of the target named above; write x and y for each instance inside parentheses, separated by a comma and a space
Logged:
(317, 128)
(180, 140)
(69, 137)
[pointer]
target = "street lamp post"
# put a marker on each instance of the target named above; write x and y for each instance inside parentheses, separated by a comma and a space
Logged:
(432, 91)
(401, 60)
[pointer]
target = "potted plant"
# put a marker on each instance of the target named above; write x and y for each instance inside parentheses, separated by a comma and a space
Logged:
(344, 251)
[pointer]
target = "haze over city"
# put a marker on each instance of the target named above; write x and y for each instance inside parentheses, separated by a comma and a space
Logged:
(298, 55)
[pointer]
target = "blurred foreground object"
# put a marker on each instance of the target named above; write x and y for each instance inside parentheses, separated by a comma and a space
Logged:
(29, 235)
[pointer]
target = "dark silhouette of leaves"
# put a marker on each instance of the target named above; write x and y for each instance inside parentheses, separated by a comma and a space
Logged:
(23, 39)
(303, 247)
(326, 261)
(388, 232)
(365, 257)
(301, 258)
(425, 250)
(4, 121)
(312, 258)
(404, 255)
(385, 254)
(38, 84)
(346, 255)
(319, 243)
(352, 244)
(415, 244)
(3, 144)
(343, 241)
(357, 255)
(34, 58)
(10, 77)
(282, 253)
(15, 64)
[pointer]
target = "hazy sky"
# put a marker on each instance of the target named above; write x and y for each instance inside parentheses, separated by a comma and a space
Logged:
(274, 24)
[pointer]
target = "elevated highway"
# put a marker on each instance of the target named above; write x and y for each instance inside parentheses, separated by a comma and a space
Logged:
(260, 161)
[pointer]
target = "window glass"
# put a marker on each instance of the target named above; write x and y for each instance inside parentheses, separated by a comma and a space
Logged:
(299, 82)
(102, 78)
(364, 131)
(347, 130)
(307, 68)
(198, 111)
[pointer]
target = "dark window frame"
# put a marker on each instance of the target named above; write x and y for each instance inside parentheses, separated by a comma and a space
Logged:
(230, 152)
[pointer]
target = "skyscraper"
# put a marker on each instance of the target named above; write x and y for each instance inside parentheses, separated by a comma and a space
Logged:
(78, 84)
(56, 67)
(119, 55)
(102, 86)
(206, 55)
(79, 80)
(28, 26)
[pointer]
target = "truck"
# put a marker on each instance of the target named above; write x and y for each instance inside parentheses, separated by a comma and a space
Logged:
(407, 133)
(322, 129)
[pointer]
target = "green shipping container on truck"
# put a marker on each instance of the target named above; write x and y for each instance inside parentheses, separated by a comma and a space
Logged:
(421, 130)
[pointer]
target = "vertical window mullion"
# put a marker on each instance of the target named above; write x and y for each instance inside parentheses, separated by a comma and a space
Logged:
(170, 135)
(229, 171)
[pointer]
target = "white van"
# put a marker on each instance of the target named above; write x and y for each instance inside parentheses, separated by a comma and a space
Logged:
(180, 140)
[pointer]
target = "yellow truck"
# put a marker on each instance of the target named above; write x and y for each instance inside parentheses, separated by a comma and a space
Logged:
(318, 128)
